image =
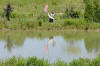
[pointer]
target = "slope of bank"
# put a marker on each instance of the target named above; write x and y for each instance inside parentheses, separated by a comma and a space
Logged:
(63, 24)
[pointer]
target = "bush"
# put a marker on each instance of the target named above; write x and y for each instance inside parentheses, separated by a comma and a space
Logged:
(92, 10)
(71, 13)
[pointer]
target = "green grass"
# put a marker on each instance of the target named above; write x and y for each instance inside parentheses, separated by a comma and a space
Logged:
(31, 61)
(34, 61)
(64, 24)
(27, 14)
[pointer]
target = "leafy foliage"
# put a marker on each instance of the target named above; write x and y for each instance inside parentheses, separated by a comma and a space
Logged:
(92, 10)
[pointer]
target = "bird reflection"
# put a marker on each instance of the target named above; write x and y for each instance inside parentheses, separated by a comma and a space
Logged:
(9, 44)
(50, 42)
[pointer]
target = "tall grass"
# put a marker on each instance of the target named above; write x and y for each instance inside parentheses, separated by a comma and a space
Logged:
(65, 24)
(33, 61)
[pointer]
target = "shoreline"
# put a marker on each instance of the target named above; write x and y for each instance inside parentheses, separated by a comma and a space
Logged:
(61, 30)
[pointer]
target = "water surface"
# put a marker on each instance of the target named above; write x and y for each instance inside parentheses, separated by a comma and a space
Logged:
(66, 46)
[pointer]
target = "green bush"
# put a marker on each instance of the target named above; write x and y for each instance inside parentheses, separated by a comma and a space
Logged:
(92, 10)
(71, 13)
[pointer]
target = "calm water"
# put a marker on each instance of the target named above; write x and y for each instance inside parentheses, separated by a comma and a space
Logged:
(65, 46)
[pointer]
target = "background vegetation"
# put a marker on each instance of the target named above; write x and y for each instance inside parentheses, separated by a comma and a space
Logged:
(70, 14)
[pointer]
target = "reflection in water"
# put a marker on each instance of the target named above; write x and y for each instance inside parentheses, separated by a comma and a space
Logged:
(93, 43)
(9, 44)
(51, 42)
(74, 46)
(66, 46)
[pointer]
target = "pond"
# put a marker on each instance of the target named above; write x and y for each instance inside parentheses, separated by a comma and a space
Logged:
(51, 45)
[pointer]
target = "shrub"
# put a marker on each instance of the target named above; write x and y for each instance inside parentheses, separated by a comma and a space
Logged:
(71, 13)
(92, 10)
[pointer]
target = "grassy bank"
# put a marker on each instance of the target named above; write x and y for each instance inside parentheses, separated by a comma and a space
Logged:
(29, 15)
(33, 61)
(64, 24)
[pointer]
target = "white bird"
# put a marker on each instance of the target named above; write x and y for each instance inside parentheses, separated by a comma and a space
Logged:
(52, 16)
